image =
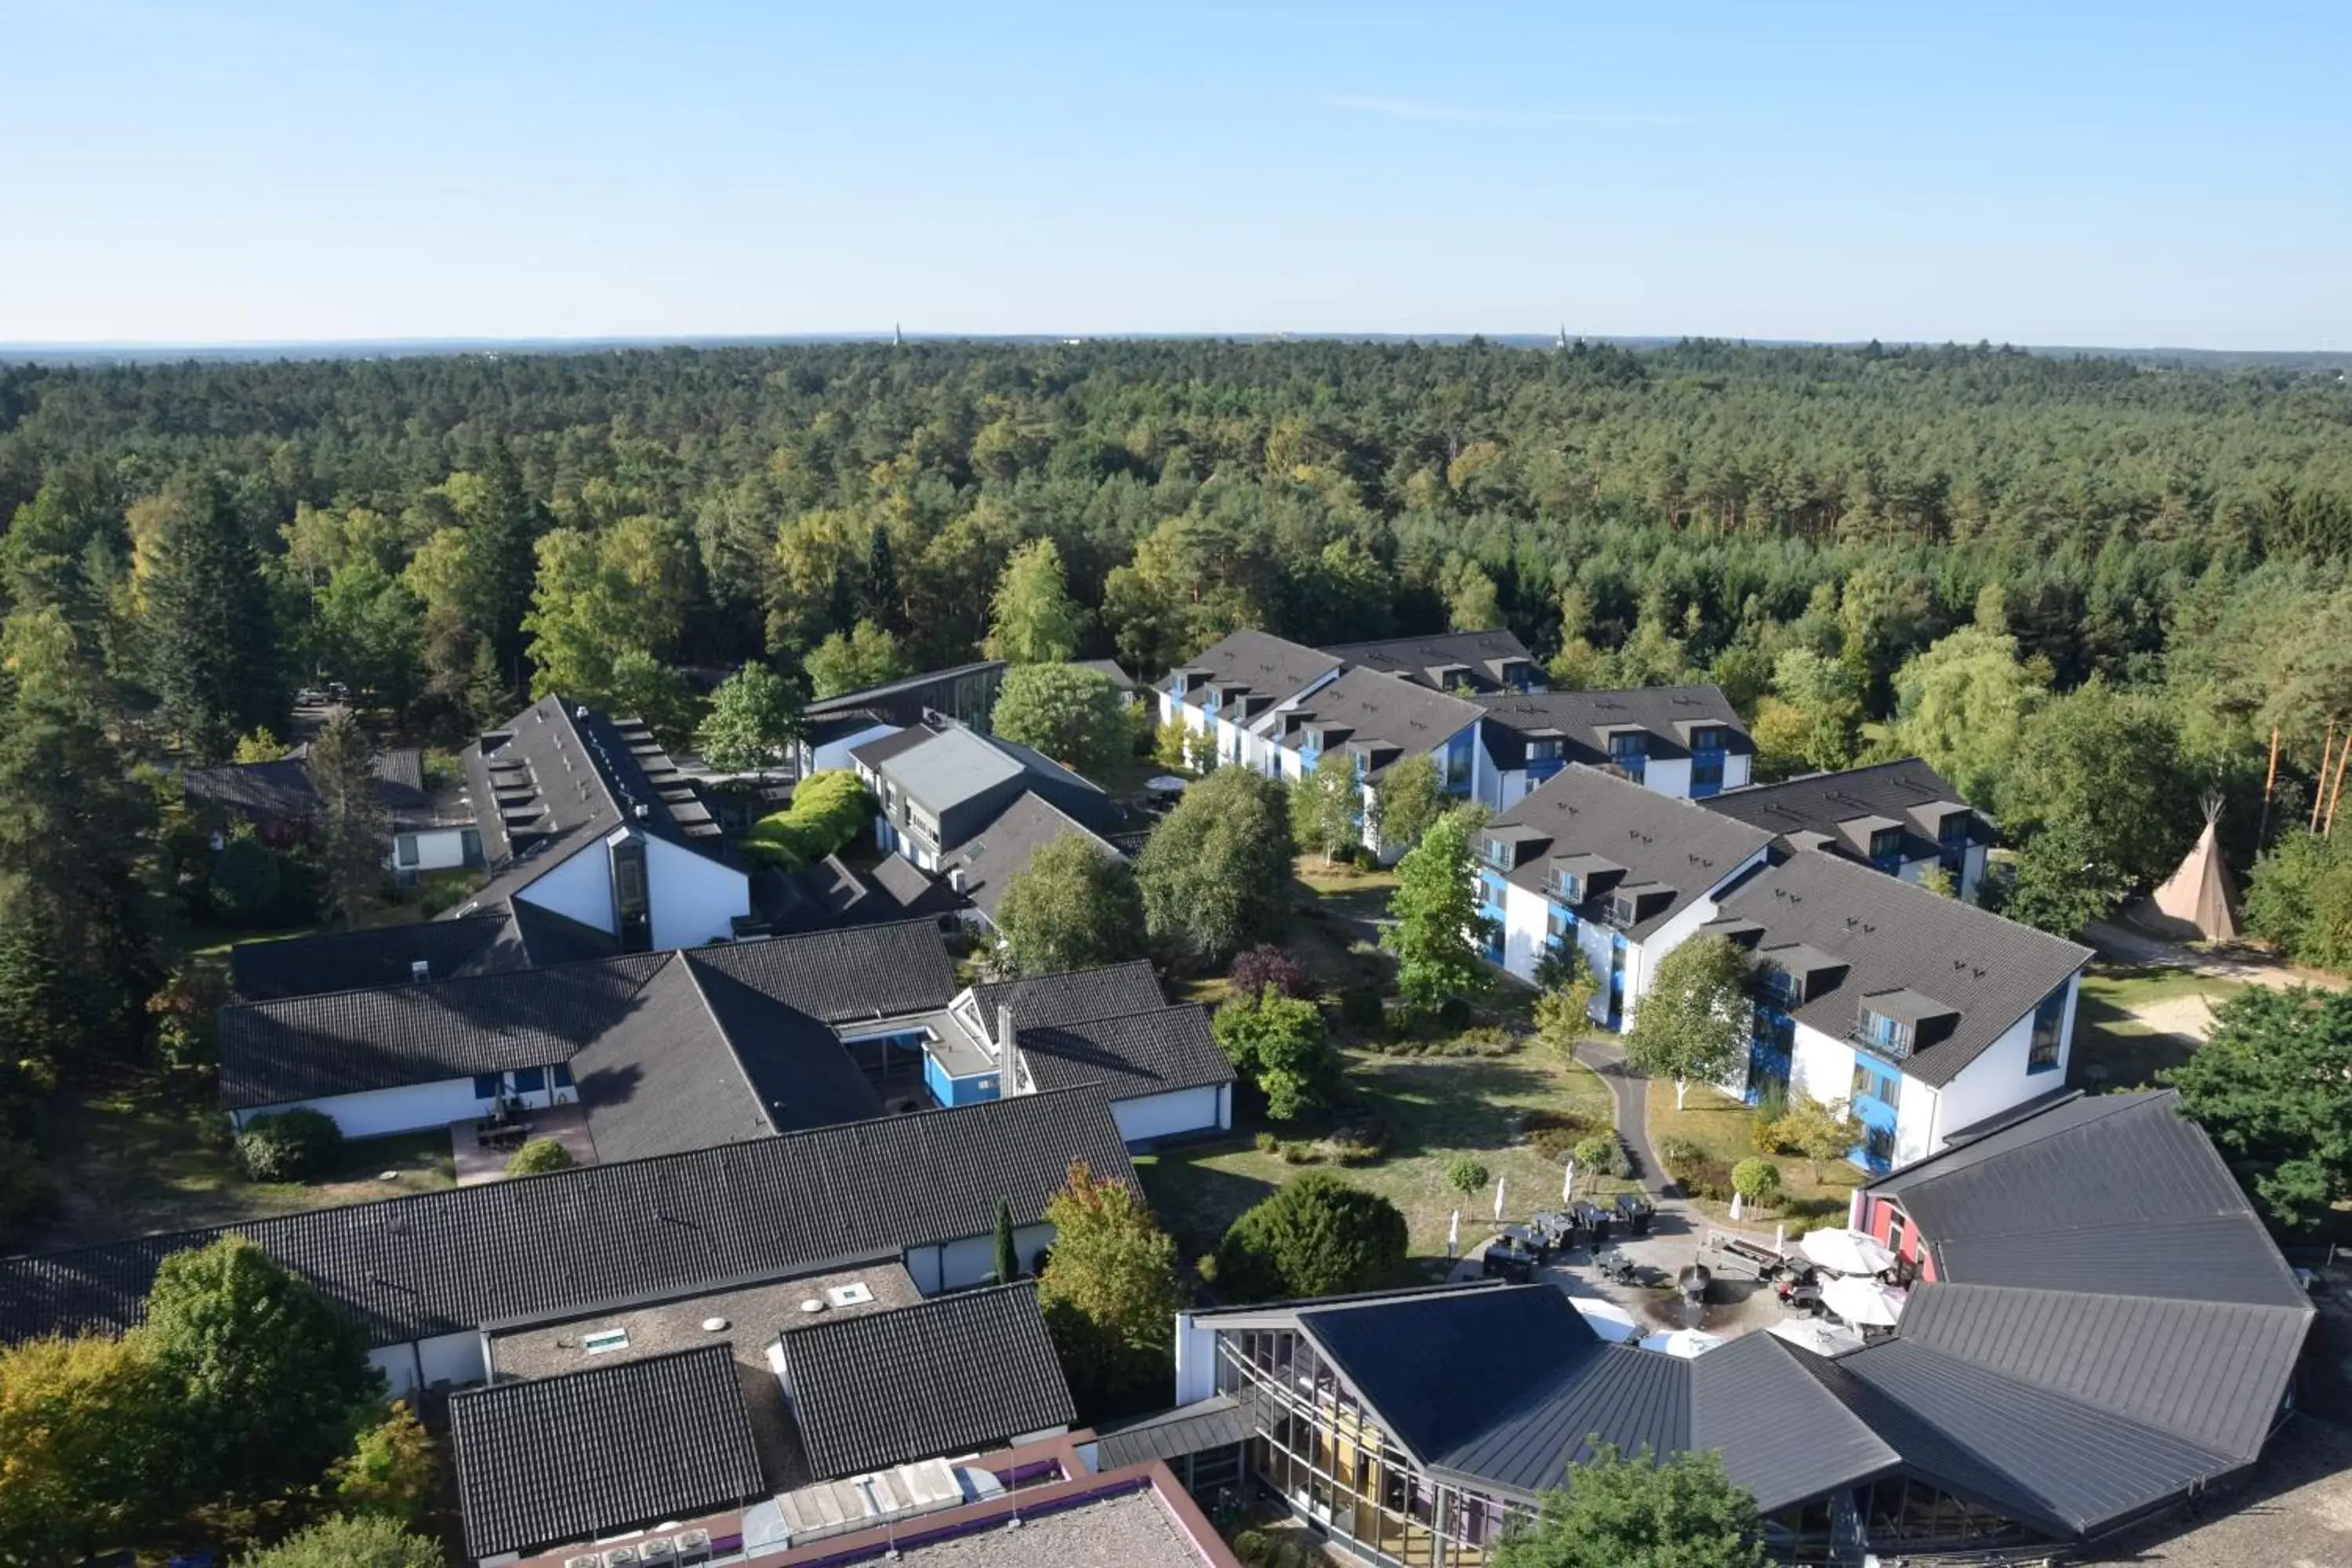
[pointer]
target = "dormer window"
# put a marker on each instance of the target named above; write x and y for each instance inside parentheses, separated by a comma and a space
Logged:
(1710, 738)
(1543, 751)
(1498, 854)
(1622, 910)
(1890, 1036)
(1886, 845)
(1568, 888)
(1785, 987)
(1629, 753)
(1953, 829)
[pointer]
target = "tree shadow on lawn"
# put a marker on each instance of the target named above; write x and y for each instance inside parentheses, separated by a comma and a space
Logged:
(1196, 1201)
(1453, 1102)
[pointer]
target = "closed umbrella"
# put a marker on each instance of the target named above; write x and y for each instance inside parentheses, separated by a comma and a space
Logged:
(1500, 1182)
(1863, 1302)
(1568, 1185)
(1453, 1235)
(1847, 1251)
(1685, 1344)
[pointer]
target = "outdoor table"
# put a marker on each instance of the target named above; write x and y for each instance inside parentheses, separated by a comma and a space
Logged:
(1530, 1239)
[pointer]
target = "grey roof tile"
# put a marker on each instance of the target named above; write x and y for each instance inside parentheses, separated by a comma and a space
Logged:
(1271, 667)
(956, 1374)
(1377, 708)
(1891, 936)
(1131, 1055)
(995, 854)
(1485, 654)
(381, 956)
(1651, 838)
(444, 1262)
(1664, 713)
(1905, 794)
(848, 976)
(602, 1451)
(1040, 1001)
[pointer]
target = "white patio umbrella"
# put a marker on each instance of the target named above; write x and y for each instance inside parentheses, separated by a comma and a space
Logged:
(1863, 1302)
(1685, 1344)
(1500, 1183)
(1568, 1185)
(1610, 1321)
(1453, 1234)
(1820, 1339)
(1847, 1251)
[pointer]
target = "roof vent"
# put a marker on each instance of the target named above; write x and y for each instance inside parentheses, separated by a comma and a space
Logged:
(581, 711)
(714, 1325)
(419, 969)
(812, 1305)
(854, 1294)
(957, 880)
(643, 811)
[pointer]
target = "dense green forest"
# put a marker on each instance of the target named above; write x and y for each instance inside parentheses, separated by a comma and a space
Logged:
(2088, 589)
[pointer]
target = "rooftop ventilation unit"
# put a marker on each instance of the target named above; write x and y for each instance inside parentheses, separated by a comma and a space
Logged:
(656, 1550)
(622, 1557)
(854, 1294)
(693, 1547)
(957, 880)
(418, 969)
(592, 1560)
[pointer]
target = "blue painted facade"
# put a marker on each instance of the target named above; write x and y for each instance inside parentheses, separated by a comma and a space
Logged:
(1877, 1099)
(1490, 907)
(1707, 765)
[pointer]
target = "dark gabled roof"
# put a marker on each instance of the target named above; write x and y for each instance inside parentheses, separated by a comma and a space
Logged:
(344, 1042)
(848, 976)
(1111, 670)
(1374, 708)
(1653, 838)
(705, 1059)
(602, 1452)
(2059, 1462)
(953, 1374)
(279, 788)
(1484, 653)
(1909, 794)
(443, 1262)
(887, 696)
(1503, 1386)
(2201, 1369)
(1217, 1421)
(2117, 1194)
(559, 776)
(1667, 714)
(998, 852)
(1270, 667)
(1748, 1396)
(1893, 936)
(1042, 1001)
(1132, 1056)
(379, 955)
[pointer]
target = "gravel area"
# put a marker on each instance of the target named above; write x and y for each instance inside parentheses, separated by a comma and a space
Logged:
(1132, 1531)
(2296, 1513)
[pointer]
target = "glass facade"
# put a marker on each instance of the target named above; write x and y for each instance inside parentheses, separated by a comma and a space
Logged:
(2049, 1032)
(1707, 764)
(1325, 1455)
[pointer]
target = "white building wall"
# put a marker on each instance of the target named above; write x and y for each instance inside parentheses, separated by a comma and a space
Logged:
(438, 849)
(833, 755)
(1667, 775)
(1172, 1115)
(695, 899)
(1196, 1360)
(1998, 1080)
(378, 1111)
(1822, 1066)
(580, 889)
(1735, 770)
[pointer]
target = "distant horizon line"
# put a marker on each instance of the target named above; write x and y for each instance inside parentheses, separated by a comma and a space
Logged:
(27, 351)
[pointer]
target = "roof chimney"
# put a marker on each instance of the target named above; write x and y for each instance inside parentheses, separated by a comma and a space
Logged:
(1003, 1033)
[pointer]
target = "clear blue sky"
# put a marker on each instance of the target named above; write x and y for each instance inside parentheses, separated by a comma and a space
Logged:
(2124, 174)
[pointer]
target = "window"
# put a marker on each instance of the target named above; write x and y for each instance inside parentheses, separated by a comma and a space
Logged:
(1887, 847)
(1954, 829)
(1707, 740)
(1498, 854)
(488, 1085)
(1567, 887)
(1543, 751)
(530, 1080)
(2049, 1033)
(1892, 1036)
(404, 850)
(1871, 1083)
(1560, 924)
(1785, 988)
(1622, 910)
(1878, 1147)
(605, 1340)
(561, 1075)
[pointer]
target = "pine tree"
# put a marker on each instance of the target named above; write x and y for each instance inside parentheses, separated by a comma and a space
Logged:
(352, 823)
(211, 642)
(503, 530)
(1008, 1252)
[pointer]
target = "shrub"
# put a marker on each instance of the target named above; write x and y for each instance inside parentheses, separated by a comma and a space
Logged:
(1679, 1151)
(1362, 1138)
(1266, 965)
(1755, 1179)
(1454, 1012)
(1316, 1236)
(289, 1145)
(1467, 1175)
(538, 1157)
(1554, 1134)
(1297, 1152)
(1267, 1141)
(826, 811)
(1602, 1153)
(1250, 1546)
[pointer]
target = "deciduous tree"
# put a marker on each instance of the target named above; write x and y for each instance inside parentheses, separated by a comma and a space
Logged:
(1437, 931)
(1327, 807)
(2271, 1086)
(1216, 871)
(1033, 618)
(1075, 716)
(1074, 906)
(1679, 1511)
(1108, 1290)
(1695, 1019)
(1280, 1044)
(754, 722)
(866, 654)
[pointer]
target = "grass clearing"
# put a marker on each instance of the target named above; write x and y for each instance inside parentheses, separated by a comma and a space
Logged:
(1441, 1106)
(2131, 1024)
(1722, 1127)
(142, 1158)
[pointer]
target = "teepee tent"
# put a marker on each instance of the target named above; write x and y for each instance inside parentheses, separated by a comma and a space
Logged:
(2201, 894)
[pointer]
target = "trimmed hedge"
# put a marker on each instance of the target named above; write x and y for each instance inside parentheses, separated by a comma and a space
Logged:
(289, 1145)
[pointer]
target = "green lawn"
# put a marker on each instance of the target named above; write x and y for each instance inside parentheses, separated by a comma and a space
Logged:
(2130, 1023)
(1722, 1126)
(142, 1159)
(1442, 1108)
